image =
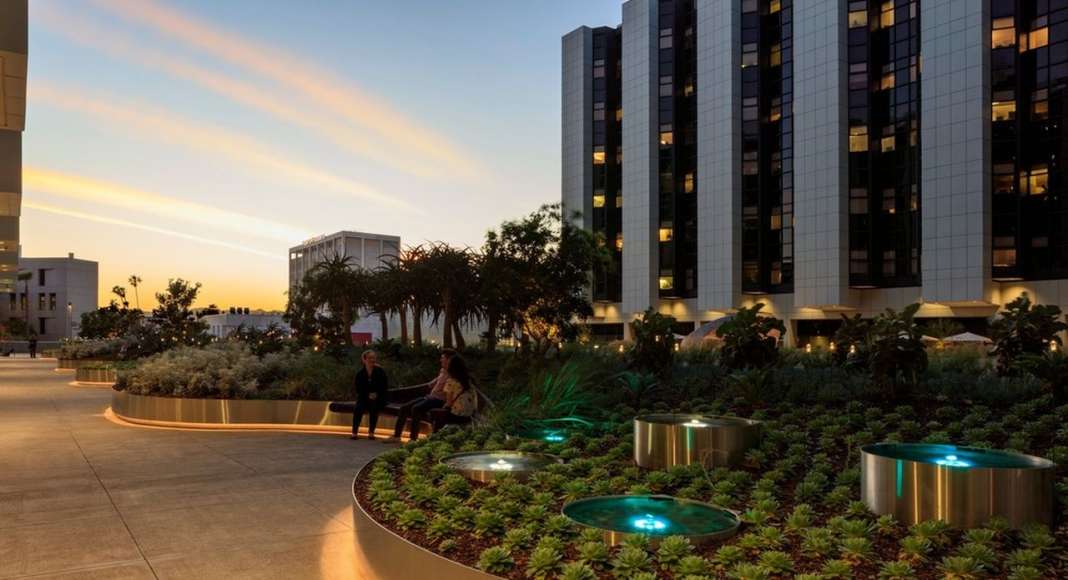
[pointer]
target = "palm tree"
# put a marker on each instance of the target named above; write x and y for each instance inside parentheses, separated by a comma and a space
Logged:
(455, 287)
(336, 286)
(134, 282)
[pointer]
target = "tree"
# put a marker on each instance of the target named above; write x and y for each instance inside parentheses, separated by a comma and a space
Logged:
(535, 276)
(327, 302)
(111, 321)
(896, 355)
(749, 340)
(454, 286)
(173, 316)
(135, 282)
(654, 342)
(1024, 328)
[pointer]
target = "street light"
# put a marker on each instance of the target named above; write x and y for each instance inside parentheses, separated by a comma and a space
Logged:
(70, 320)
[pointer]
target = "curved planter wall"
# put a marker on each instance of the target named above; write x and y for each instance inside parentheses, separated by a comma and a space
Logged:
(235, 413)
(382, 554)
(95, 375)
(965, 495)
(70, 364)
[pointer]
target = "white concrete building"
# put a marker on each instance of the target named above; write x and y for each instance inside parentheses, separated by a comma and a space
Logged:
(822, 157)
(368, 251)
(52, 294)
(226, 323)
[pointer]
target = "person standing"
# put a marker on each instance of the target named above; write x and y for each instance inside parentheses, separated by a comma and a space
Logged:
(418, 408)
(371, 386)
(461, 396)
(33, 347)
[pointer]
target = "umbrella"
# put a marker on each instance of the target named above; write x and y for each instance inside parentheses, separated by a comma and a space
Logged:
(706, 333)
(926, 338)
(967, 337)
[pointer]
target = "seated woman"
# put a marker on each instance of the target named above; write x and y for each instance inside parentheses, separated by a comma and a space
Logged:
(418, 408)
(461, 398)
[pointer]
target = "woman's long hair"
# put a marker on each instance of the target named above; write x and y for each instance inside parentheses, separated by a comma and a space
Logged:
(457, 370)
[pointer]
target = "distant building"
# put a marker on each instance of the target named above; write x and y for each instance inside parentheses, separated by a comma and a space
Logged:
(368, 251)
(224, 324)
(52, 294)
(13, 37)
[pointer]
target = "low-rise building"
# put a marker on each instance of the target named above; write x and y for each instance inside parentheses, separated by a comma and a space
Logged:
(224, 324)
(367, 251)
(51, 295)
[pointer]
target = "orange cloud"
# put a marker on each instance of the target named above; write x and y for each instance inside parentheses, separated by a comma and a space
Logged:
(300, 76)
(128, 224)
(119, 196)
(113, 44)
(200, 137)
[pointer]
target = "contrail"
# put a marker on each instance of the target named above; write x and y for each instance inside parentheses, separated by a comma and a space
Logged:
(120, 196)
(299, 76)
(200, 137)
(111, 43)
(128, 224)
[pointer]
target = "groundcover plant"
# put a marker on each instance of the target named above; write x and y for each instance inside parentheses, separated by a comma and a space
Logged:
(797, 493)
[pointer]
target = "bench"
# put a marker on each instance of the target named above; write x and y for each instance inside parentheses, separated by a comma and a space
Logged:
(400, 396)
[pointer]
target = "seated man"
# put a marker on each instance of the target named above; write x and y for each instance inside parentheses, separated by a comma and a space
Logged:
(418, 408)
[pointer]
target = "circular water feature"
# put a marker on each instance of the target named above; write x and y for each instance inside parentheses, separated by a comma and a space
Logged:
(963, 486)
(486, 466)
(546, 434)
(663, 440)
(656, 516)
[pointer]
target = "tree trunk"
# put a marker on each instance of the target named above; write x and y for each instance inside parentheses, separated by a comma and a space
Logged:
(446, 329)
(385, 325)
(403, 313)
(346, 321)
(491, 334)
(458, 336)
(417, 325)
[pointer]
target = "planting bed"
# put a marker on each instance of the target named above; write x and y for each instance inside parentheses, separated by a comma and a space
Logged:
(798, 494)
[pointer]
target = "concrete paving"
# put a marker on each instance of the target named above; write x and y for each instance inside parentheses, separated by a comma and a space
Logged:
(83, 497)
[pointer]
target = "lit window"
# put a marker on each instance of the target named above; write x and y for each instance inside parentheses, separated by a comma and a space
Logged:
(1003, 33)
(598, 156)
(667, 282)
(858, 18)
(687, 183)
(888, 81)
(1003, 110)
(619, 242)
(666, 234)
(776, 219)
(619, 200)
(888, 143)
(776, 55)
(619, 114)
(886, 17)
(1040, 104)
(1038, 38)
(1036, 181)
(598, 200)
(667, 138)
(774, 6)
(1004, 252)
(858, 139)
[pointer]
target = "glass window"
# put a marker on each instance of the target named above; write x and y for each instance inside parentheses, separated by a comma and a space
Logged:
(1038, 180)
(888, 81)
(858, 18)
(1005, 258)
(667, 138)
(1038, 38)
(688, 183)
(598, 156)
(52, 301)
(858, 201)
(598, 200)
(619, 241)
(1003, 33)
(666, 234)
(774, 6)
(888, 143)
(886, 17)
(667, 282)
(749, 55)
(858, 139)
(776, 55)
(1003, 110)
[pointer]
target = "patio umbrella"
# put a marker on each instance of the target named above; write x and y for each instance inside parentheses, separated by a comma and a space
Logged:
(967, 338)
(926, 338)
(705, 334)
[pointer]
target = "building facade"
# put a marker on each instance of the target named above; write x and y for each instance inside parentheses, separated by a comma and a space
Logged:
(13, 66)
(224, 324)
(824, 157)
(367, 251)
(51, 294)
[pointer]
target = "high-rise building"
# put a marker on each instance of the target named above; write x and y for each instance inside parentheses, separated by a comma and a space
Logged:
(823, 157)
(367, 251)
(13, 49)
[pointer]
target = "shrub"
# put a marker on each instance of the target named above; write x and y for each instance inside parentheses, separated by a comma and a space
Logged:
(495, 560)
(747, 338)
(654, 342)
(1023, 328)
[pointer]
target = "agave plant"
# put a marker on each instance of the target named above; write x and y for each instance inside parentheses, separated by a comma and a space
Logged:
(690, 566)
(630, 561)
(577, 571)
(496, 560)
(776, 562)
(914, 549)
(594, 554)
(727, 556)
(960, 568)
(899, 570)
(543, 563)
(672, 550)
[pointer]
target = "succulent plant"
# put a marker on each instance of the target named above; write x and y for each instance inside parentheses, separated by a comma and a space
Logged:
(577, 571)
(960, 568)
(776, 562)
(411, 518)
(983, 554)
(630, 561)
(1036, 537)
(594, 554)
(488, 523)
(1025, 573)
(543, 563)
(672, 550)
(855, 550)
(837, 569)
(692, 566)
(914, 549)
(551, 542)
(748, 572)
(727, 556)
(518, 538)
(899, 570)
(818, 542)
(496, 560)
(800, 519)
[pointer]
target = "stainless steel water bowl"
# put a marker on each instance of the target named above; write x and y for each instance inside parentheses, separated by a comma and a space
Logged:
(664, 440)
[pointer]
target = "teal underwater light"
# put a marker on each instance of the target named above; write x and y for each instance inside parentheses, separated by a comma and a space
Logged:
(649, 523)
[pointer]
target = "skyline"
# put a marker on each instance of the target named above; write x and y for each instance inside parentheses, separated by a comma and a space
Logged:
(211, 138)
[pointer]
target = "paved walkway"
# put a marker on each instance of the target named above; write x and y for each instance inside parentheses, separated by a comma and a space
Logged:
(82, 497)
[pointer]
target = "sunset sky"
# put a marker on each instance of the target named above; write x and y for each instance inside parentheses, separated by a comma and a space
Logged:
(201, 139)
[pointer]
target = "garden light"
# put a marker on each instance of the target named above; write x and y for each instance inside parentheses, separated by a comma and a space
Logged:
(554, 437)
(649, 523)
(695, 423)
(952, 461)
(501, 465)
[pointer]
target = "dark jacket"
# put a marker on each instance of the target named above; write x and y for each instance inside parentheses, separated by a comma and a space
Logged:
(377, 383)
